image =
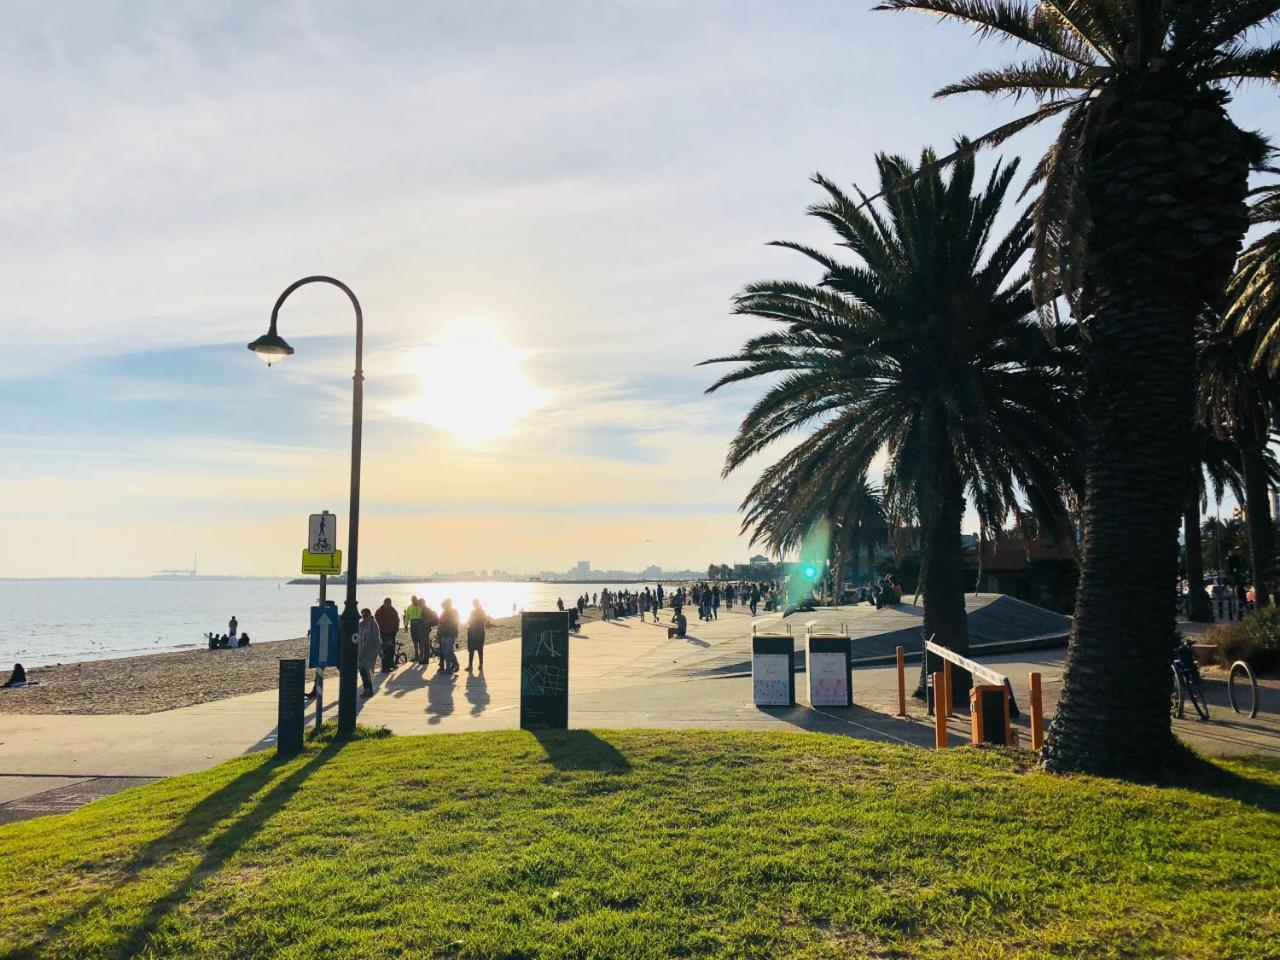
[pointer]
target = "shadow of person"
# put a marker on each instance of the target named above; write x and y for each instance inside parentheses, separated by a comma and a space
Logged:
(477, 693)
(581, 750)
(440, 696)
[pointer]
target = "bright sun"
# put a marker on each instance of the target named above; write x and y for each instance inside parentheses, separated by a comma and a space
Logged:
(471, 384)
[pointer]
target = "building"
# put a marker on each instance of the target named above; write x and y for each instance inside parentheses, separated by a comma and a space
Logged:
(582, 569)
(1040, 571)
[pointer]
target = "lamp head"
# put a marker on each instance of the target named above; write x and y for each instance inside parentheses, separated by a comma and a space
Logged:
(271, 347)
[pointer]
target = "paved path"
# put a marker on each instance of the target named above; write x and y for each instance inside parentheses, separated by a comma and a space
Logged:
(623, 674)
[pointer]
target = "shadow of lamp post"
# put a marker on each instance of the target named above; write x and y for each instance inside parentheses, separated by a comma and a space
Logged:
(272, 348)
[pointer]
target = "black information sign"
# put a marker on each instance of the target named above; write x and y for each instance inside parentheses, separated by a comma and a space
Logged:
(544, 671)
(289, 719)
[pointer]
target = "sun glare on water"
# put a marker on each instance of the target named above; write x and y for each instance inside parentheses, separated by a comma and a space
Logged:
(472, 384)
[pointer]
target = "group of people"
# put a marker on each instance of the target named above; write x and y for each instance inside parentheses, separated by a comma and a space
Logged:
(231, 639)
(883, 592)
(376, 636)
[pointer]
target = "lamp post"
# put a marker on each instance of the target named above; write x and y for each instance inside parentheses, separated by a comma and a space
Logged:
(271, 348)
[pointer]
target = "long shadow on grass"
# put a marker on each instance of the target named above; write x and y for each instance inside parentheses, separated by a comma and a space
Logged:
(232, 800)
(581, 750)
(1205, 777)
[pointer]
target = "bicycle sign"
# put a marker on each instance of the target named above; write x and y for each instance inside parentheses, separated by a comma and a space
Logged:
(322, 533)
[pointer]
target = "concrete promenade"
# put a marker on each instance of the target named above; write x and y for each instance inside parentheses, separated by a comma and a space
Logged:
(622, 674)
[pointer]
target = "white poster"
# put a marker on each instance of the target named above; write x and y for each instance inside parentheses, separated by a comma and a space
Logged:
(771, 679)
(828, 680)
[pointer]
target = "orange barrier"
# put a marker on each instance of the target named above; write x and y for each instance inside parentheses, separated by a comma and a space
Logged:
(902, 682)
(978, 716)
(939, 714)
(1037, 713)
(947, 705)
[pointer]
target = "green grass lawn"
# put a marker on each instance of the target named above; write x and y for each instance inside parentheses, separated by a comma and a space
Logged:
(651, 844)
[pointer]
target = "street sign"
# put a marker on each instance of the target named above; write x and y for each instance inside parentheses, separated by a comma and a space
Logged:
(324, 637)
(322, 533)
(327, 563)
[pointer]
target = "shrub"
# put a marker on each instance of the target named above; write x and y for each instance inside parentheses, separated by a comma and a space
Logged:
(1255, 639)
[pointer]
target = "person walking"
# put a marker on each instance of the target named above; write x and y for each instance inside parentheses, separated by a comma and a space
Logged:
(754, 597)
(368, 641)
(448, 634)
(715, 602)
(476, 624)
(388, 625)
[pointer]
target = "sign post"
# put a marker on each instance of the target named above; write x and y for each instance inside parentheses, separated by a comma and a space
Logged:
(322, 539)
(544, 671)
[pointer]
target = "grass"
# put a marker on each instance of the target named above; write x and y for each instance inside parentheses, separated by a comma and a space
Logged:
(651, 844)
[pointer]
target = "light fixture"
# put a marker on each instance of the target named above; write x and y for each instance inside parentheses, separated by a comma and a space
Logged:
(271, 347)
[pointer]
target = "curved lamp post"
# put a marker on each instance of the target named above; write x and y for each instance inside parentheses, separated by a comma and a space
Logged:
(272, 348)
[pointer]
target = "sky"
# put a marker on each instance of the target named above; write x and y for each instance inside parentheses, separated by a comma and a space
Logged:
(544, 208)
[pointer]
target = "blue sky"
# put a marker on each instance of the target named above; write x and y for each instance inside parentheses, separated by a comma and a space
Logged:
(585, 184)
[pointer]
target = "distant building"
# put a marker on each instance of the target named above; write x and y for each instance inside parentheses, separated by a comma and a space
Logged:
(583, 568)
(759, 561)
(652, 572)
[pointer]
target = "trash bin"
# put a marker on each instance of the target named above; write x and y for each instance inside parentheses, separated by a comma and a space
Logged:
(989, 714)
(828, 665)
(773, 676)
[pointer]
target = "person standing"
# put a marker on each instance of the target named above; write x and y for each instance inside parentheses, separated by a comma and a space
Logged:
(368, 640)
(476, 625)
(754, 597)
(715, 602)
(413, 620)
(388, 625)
(233, 630)
(448, 634)
(429, 621)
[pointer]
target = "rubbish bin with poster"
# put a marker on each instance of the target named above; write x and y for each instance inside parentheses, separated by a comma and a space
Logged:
(773, 675)
(828, 665)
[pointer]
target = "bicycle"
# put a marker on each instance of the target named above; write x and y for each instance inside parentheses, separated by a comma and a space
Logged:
(1242, 670)
(1187, 684)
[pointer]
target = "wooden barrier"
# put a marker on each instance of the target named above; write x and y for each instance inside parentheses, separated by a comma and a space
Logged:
(902, 682)
(939, 715)
(1037, 713)
(947, 705)
(976, 670)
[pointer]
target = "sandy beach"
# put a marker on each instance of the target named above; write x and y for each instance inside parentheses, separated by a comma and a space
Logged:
(165, 681)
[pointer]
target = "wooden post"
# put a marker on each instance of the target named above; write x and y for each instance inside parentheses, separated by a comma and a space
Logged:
(902, 682)
(1037, 713)
(946, 688)
(939, 713)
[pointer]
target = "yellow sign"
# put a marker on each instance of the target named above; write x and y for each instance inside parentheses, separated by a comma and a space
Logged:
(328, 563)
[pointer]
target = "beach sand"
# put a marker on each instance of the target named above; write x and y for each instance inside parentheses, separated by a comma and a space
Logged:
(165, 681)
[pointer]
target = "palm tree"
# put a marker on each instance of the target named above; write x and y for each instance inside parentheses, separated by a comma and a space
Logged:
(801, 495)
(1235, 400)
(1140, 213)
(927, 349)
(1215, 468)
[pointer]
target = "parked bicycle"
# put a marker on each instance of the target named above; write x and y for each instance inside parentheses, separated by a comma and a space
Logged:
(1187, 684)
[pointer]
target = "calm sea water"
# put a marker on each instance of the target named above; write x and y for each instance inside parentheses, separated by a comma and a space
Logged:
(64, 621)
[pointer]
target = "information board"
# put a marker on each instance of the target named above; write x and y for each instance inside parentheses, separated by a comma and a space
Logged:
(544, 671)
(292, 709)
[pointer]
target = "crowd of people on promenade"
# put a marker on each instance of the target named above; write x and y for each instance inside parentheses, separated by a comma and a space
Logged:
(376, 637)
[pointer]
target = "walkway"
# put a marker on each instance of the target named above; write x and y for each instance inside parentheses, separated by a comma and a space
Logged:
(622, 674)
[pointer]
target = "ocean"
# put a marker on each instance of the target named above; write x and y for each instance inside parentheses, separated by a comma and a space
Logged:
(44, 622)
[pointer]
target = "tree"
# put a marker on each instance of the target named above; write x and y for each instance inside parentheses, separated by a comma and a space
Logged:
(1235, 401)
(928, 349)
(1139, 216)
(1218, 461)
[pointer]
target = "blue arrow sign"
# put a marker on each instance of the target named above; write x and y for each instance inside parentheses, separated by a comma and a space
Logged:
(324, 636)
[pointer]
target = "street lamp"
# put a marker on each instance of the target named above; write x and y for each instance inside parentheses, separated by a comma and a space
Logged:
(272, 348)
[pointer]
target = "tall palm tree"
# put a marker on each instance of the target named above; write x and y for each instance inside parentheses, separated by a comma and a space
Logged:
(1215, 469)
(928, 348)
(1237, 401)
(1253, 294)
(1140, 213)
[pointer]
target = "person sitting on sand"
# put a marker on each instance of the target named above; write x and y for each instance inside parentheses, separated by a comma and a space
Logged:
(681, 625)
(16, 679)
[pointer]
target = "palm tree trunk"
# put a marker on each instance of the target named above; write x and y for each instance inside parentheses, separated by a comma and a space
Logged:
(1167, 224)
(1199, 610)
(942, 579)
(1257, 508)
